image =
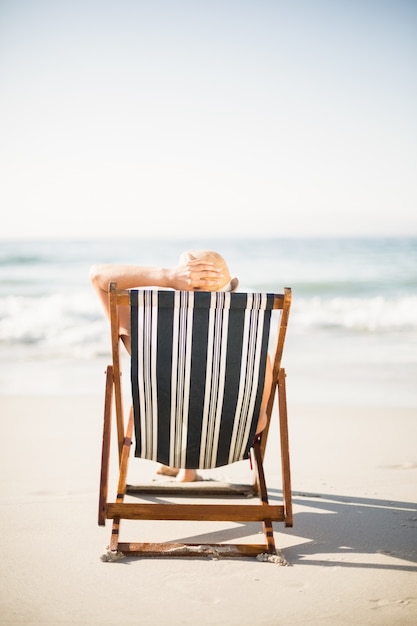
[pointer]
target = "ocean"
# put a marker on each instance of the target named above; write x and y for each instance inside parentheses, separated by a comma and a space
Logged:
(352, 336)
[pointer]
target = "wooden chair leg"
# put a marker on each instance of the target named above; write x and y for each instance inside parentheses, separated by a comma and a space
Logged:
(285, 453)
(121, 487)
(114, 539)
(105, 454)
(263, 494)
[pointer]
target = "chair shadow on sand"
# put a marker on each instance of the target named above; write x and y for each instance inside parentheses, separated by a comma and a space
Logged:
(332, 530)
(347, 529)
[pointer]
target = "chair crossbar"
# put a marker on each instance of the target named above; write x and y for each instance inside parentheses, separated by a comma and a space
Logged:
(191, 512)
(196, 550)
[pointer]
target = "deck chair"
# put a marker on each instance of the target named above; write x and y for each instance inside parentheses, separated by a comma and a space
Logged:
(197, 376)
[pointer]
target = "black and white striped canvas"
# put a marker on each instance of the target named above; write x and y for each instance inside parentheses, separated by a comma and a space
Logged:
(198, 370)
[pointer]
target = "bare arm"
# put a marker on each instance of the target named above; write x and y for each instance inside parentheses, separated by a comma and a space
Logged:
(193, 274)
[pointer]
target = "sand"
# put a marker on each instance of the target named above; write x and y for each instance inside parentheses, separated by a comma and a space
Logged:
(352, 552)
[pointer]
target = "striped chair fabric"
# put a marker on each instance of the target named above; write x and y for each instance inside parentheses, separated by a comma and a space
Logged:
(198, 371)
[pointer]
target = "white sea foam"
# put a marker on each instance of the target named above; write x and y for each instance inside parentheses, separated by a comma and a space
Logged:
(73, 324)
(354, 307)
(70, 324)
(377, 314)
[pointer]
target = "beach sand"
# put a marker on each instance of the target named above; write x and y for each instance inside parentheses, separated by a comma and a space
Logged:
(352, 552)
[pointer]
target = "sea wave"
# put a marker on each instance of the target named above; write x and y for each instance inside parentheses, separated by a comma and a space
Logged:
(16, 260)
(73, 324)
(376, 314)
(57, 324)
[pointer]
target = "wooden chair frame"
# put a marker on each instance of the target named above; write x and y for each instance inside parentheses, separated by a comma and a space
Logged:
(262, 512)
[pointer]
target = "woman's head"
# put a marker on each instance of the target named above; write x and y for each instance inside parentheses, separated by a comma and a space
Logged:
(229, 283)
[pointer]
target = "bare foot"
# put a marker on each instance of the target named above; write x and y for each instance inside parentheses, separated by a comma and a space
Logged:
(165, 470)
(187, 476)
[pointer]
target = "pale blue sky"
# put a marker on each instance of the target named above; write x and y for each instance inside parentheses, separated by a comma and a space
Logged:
(189, 117)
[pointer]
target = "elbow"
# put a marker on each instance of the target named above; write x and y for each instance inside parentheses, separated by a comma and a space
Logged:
(97, 279)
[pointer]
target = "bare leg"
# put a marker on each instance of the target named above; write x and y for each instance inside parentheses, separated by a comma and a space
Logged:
(262, 421)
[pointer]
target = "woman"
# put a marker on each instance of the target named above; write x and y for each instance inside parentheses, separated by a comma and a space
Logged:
(198, 270)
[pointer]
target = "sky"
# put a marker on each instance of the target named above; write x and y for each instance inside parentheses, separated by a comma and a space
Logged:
(234, 118)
